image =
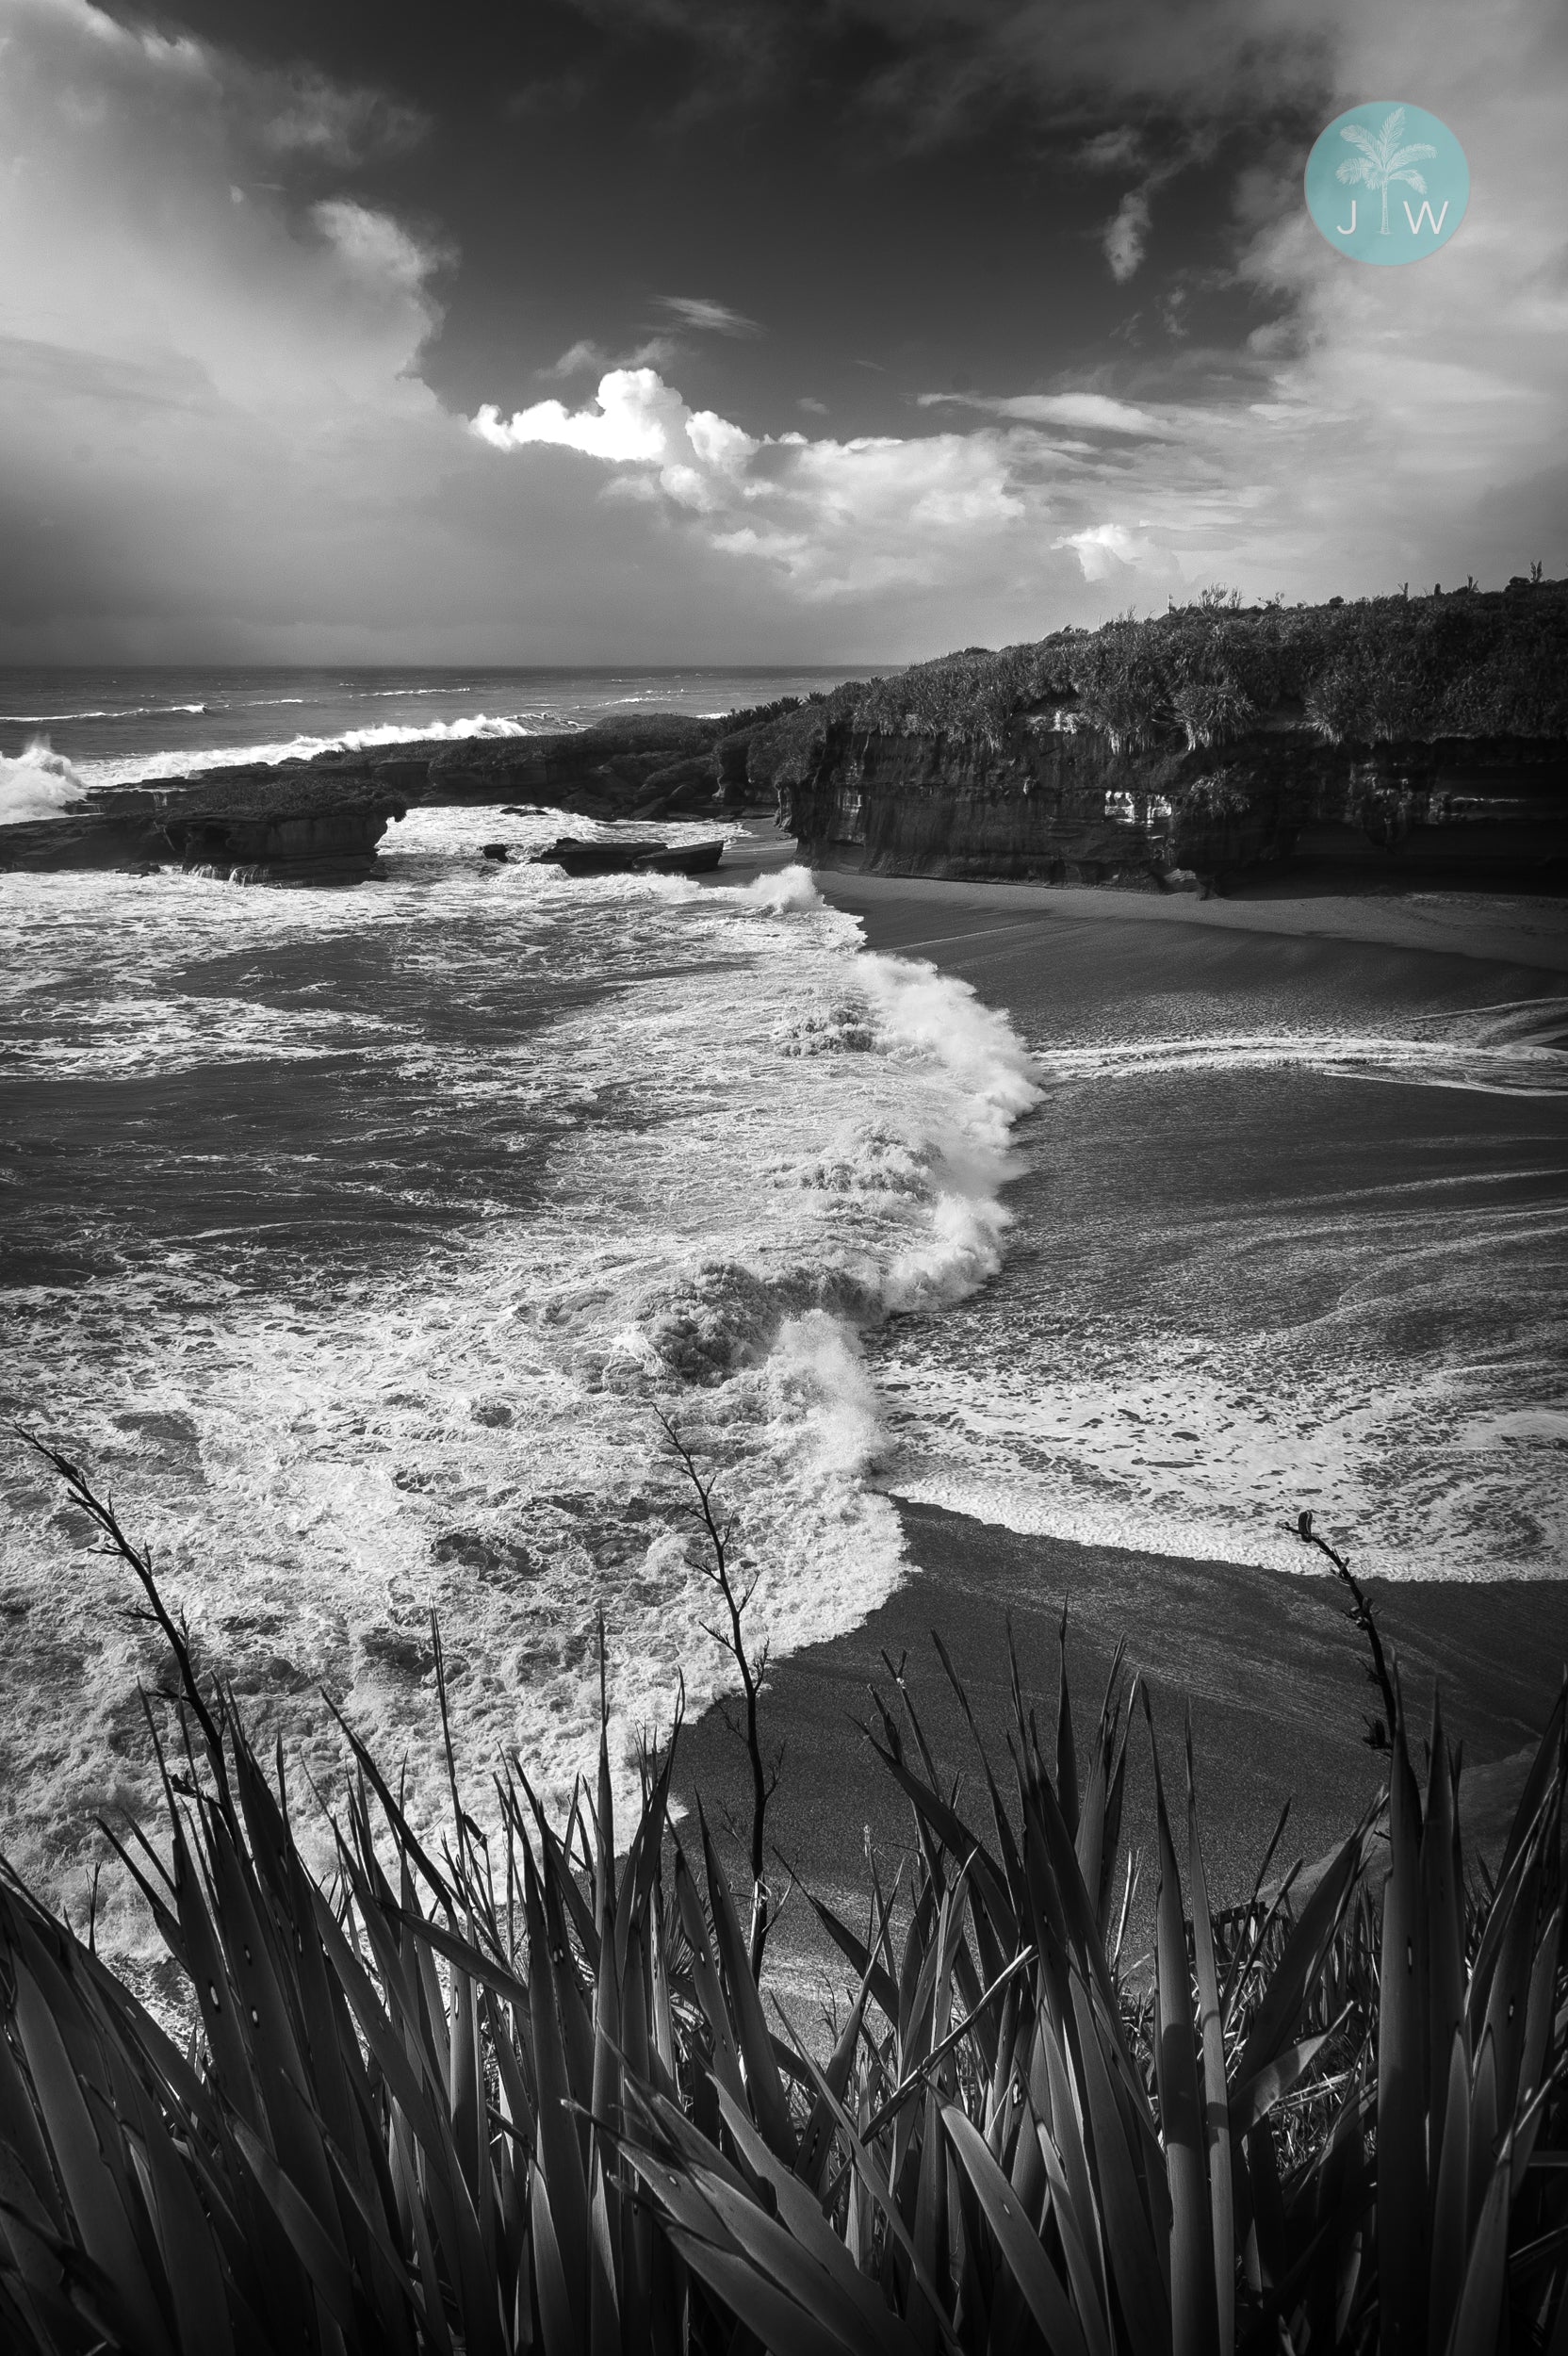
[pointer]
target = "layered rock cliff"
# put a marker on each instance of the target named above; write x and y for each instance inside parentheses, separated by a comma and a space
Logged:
(1395, 741)
(1052, 805)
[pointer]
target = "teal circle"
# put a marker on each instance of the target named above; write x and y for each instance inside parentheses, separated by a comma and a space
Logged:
(1387, 183)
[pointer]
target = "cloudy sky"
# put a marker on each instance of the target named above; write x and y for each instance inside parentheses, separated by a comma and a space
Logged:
(727, 330)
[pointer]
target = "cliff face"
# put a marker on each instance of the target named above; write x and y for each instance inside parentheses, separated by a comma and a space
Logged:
(1043, 799)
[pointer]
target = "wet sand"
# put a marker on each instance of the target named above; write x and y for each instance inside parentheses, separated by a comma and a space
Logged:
(918, 916)
(1273, 1672)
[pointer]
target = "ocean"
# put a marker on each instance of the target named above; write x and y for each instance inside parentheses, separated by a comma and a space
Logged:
(119, 727)
(363, 1244)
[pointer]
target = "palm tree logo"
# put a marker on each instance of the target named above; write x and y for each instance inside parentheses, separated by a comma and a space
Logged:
(1380, 162)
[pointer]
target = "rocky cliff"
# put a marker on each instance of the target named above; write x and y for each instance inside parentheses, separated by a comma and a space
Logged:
(1060, 806)
(1395, 741)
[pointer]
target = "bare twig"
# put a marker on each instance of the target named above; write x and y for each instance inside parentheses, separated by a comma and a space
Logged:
(765, 1774)
(172, 1625)
(1379, 1731)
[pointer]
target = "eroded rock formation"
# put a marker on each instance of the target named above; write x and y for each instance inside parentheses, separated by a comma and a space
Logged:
(286, 823)
(322, 819)
(1051, 801)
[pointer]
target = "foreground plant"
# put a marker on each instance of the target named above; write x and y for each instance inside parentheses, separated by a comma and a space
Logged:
(529, 2096)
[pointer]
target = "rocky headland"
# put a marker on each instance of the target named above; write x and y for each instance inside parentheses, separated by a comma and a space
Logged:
(1394, 743)
(1388, 743)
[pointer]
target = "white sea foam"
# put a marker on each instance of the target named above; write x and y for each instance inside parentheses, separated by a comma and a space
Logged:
(791, 887)
(37, 784)
(1210, 1453)
(754, 1143)
(1485, 1058)
(1387, 1352)
(140, 768)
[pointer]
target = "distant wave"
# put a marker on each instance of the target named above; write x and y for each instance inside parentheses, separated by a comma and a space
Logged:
(121, 711)
(141, 768)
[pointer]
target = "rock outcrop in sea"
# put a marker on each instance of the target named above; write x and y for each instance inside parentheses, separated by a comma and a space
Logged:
(324, 819)
(287, 825)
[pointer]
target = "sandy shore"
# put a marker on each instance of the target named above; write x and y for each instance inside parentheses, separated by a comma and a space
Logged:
(918, 915)
(1273, 1672)
(1506, 930)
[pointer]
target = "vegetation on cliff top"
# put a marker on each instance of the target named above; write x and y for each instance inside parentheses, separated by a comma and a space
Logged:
(1467, 663)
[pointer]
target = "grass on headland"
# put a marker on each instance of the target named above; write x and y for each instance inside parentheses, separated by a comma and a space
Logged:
(529, 2094)
(1466, 663)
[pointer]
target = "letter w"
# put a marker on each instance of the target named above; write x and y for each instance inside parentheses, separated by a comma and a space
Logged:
(1415, 219)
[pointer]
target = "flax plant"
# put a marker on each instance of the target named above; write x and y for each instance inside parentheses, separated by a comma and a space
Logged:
(530, 2094)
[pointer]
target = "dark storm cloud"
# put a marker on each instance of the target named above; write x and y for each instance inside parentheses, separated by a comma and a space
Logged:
(932, 69)
(1047, 331)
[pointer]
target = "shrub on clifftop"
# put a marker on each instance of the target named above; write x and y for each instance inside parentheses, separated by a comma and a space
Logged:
(1469, 664)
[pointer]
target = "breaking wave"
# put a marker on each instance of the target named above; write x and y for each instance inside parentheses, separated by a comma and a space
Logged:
(37, 783)
(141, 768)
(466, 1182)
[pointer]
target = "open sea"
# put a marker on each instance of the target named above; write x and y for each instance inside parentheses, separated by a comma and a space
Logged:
(359, 1242)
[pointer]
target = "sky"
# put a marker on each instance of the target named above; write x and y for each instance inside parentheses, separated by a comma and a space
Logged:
(749, 331)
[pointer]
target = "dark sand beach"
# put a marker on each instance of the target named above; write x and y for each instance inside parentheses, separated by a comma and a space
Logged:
(1272, 1670)
(1274, 1675)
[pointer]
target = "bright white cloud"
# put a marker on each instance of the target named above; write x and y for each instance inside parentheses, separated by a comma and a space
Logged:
(637, 420)
(831, 519)
(1109, 551)
(634, 420)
